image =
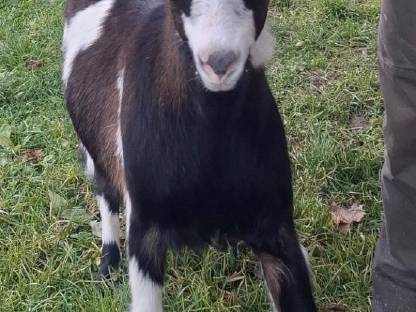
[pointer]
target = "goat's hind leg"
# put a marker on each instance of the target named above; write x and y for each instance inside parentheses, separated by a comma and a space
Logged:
(286, 273)
(108, 201)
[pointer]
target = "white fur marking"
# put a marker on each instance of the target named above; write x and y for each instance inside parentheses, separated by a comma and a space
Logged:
(218, 25)
(110, 223)
(81, 31)
(120, 88)
(146, 295)
(89, 167)
(274, 308)
(127, 205)
(261, 51)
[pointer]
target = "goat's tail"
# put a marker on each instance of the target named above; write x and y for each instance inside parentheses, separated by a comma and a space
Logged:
(286, 273)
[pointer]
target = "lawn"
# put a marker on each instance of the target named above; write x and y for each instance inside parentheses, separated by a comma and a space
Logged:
(324, 74)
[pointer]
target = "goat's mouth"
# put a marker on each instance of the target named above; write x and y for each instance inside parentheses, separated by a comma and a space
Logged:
(219, 81)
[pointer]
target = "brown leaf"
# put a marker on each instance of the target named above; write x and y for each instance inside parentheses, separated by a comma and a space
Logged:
(344, 217)
(31, 155)
(334, 307)
(33, 64)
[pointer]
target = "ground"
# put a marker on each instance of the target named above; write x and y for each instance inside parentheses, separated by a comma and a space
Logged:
(324, 74)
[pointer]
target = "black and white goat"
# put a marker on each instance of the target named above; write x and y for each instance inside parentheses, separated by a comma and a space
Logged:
(175, 117)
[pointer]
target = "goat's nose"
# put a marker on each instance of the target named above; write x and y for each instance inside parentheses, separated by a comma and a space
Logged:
(221, 62)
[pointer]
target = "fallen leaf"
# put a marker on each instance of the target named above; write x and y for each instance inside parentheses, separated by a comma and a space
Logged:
(334, 307)
(57, 204)
(345, 217)
(32, 155)
(75, 215)
(5, 134)
(33, 64)
(96, 228)
(299, 44)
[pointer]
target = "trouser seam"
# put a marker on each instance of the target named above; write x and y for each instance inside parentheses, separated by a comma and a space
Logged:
(389, 65)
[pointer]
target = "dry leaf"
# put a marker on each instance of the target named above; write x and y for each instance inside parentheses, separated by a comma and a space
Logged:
(334, 307)
(96, 228)
(5, 136)
(33, 64)
(32, 155)
(299, 44)
(344, 218)
(57, 204)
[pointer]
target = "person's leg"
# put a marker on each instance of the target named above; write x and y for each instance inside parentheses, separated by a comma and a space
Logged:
(394, 274)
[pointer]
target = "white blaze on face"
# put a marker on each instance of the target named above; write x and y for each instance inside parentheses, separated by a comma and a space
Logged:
(220, 26)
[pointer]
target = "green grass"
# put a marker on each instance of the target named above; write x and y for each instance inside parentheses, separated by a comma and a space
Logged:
(324, 72)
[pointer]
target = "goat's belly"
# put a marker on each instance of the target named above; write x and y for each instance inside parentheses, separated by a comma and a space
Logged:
(208, 215)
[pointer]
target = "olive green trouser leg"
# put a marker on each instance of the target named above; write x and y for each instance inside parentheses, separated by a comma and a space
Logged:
(394, 267)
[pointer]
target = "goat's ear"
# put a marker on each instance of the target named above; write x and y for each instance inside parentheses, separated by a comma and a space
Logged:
(261, 51)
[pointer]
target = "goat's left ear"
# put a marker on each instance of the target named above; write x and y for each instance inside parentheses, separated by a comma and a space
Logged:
(261, 52)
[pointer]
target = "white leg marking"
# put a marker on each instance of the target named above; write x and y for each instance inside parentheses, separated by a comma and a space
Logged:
(146, 296)
(89, 167)
(110, 223)
(81, 31)
(261, 52)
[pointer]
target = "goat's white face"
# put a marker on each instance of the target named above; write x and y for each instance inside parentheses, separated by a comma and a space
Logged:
(221, 34)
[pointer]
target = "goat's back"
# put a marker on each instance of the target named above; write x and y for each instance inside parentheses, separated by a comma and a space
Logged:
(97, 37)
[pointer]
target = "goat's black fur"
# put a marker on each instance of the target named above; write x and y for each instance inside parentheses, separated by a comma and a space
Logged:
(200, 166)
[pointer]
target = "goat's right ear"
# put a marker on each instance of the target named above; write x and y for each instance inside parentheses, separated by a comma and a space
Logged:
(261, 51)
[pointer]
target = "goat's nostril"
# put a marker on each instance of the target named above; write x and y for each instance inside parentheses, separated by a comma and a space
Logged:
(221, 62)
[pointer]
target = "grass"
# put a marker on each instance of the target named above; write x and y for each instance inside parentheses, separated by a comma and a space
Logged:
(324, 74)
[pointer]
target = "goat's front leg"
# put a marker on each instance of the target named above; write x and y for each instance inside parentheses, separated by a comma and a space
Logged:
(286, 273)
(146, 267)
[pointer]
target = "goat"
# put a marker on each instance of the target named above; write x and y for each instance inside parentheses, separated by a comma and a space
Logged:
(175, 118)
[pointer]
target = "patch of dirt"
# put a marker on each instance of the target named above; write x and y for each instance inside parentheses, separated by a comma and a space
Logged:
(334, 307)
(358, 121)
(34, 64)
(32, 155)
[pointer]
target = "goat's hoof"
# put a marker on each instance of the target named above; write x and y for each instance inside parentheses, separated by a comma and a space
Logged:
(110, 259)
